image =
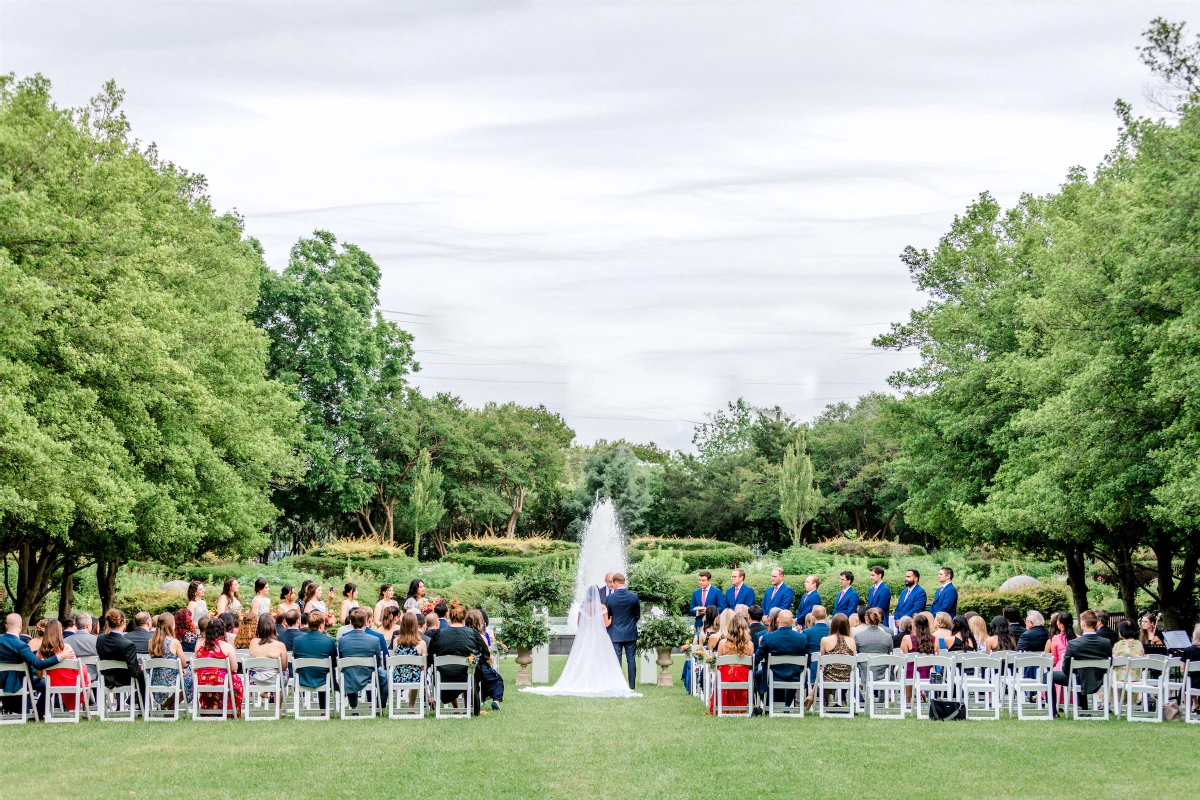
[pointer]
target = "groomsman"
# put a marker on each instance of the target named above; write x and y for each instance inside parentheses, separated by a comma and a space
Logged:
(880, 596)
(707, 595)
(738, 593)
(913, 599)
(779, 595)
(946, 597)
(810, 600)
(847, 598)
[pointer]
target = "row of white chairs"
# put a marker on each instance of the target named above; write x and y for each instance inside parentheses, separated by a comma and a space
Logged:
(268, 699)
(1019, 683)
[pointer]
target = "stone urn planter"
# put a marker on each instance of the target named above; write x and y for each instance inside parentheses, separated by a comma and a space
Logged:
(524, 659)
(664, 667)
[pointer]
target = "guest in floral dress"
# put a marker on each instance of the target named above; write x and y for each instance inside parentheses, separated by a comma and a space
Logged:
(1130, 646)
(837, 643)
(409, 643)
(163, 644)
(215, 646)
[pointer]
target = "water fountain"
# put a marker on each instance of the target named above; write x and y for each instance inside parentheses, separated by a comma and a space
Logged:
(601, 550)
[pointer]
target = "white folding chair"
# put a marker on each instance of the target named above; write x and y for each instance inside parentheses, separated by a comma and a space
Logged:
(224, 690)
(58, 712)
(886, 694)
(116, 703)
(303, 696)
(369, 692)
(25, 693)
(860, 675)
(262, 681)
(1029, 698)
(90, 663)
(1174, 686)
(796, 708)
(1191, 691)
(1103, 694)
(981, 685)
(848, 686)
(1116, 686)
(443, 710)
(154, 704)
(398, 705)
(721, 685)
(940, 680)
(1143, 689)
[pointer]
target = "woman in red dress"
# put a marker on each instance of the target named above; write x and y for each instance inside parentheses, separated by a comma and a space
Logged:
(53, 644)
(736, 642)
(215, 646)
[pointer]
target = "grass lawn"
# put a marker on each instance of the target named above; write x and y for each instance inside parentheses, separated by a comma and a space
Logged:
(661, 745)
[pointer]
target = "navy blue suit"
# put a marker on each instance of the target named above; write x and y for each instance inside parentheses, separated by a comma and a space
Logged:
(15, 651)
(314, 644)
(780, 596)
(624, 611)
(359, 644)
(808, 602)
(912, 602)
(782, 642)
(880, 597)
(703, 598)
(742, 595)
(847, 601)
(813, 637)
(945, 599)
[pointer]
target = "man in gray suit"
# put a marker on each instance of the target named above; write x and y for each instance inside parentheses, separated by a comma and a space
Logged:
(83, 642)
(141, 633)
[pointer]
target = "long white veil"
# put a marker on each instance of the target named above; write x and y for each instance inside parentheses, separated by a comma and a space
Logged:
(592, 669)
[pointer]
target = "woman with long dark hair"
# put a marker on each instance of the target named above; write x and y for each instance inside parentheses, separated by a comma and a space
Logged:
(312, 599)
(1001, 637)
(196, 604)
(230, 599)
(261, 604)
(961, 639)
(53, 644)
(415, 597)
(349, 603)
(386, 600)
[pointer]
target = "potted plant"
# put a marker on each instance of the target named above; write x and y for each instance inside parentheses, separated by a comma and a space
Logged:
(663, 634)
(525, 631)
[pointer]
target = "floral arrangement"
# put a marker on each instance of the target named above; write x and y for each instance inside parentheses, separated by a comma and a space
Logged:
(661, 630)
(430, 603)
(523, 629)
(696, 652)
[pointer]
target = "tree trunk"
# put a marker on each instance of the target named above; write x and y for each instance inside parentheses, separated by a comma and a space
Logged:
(362, 515)
(67, 590)
(1127, 581)
(1175, 600)
(1076, 556)
(35, 568)
(510, 530)
(106, 582)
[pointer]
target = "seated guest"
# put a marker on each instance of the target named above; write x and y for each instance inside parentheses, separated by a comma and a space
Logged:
(163, 644)
(315, 644)
(1149, 633)
(815, 634)
(441, 610)
(735, 642)
(757, 628)
(457, 640)
(1129, 645)
(490, 682)
(428, 625)
(84, 641)
(903, 628)
(979, 631)
(215, 646)
(742, 611)
(784, 641)
(408, 642)
(247, 632)
(1033, 639)
(232, 625)
(53, 645)
(38, 632)
(389, 624)
(1013, 617)
(943, 622)
(141, 633)
(857, 622)
(1103, 629)
(718, 632)
(113, 646)
(359, 643)
(291, 629)
(920, 641)
(1192, 655)
(1086, 646)
(961, 640)
(838, 642)
(1001, 638)
(266, 644)
(874, 639)
(68, 626)
(14, 650)
(185, 629)
(771, 619)
(809, 621)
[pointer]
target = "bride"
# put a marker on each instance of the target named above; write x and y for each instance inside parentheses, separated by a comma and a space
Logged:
(592, 669)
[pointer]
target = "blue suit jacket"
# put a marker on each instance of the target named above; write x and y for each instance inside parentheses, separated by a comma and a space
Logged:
(783, 642)
(808, 602)
(847, 601)
(624, 611)
(945, 599)
(781, 596)
(743, 595)
(912, 601)
(715, 598)
(15, 651)
(880, 597)
(814, 635)
(314, 644)
(359, 644)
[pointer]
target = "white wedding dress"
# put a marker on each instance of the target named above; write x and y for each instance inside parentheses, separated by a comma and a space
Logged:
(592, 668)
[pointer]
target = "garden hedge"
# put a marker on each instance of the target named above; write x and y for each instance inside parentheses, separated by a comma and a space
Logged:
(511, 547)
(391, 570)
(509, 565)
(472, 593)
(697, 554)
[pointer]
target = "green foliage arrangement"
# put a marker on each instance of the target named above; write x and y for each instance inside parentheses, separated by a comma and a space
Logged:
(653, 580)
(389, 570)
(502, 546)
(1049, 598)
(800, 561)
(152, 601)
(697, 554)
(542, 585)
(663, 631)
(522, 628)
(474, 593)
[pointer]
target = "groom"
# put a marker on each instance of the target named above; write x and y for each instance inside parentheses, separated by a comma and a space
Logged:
(624, 611)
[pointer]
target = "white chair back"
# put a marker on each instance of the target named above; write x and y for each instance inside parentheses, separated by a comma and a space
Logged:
(721, 685)
(1102, 697)
(444, 710)
(58, 712)
(25, 692)
(262, 698)
(116, 703)
(369, 692)
(776, 707)
(155, 705)
(303, 696)
(223, 690)
(1150, 683)
(399, 691)
(846, 690)
(885, 688)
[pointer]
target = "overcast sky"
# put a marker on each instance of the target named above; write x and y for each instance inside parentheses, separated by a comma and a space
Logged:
(629, 212)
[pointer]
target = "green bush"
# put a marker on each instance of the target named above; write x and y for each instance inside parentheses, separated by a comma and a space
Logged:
(714, 558)
(388, 570)
(472, 593)
(1049, 598)
(445, 573)
(152, 601)
(542, 585)
(802, 561)
(653, 580)
(666, 631)
(508, 565)
(498, 546)
(522, 628)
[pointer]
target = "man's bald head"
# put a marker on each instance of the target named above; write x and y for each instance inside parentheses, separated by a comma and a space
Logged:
(608, 579)
(12, 623)
(785, 619)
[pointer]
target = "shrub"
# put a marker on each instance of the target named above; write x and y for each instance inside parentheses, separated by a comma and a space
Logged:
(152, 601)
(388, 570)
(653, 580)
(663, 631)
(358, 549)
(508, 565)
(697, 554)
(472, 593)
(522, 628)
(542, 585)
(1049, 598)
(802, 561)
(445, 573)
(501, 546)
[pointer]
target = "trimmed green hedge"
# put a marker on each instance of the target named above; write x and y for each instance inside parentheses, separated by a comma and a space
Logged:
(472, 593)
(1049, 598)
(152, 601)
(391, 570)
(508, 565)
(697, 554)
(520, 548)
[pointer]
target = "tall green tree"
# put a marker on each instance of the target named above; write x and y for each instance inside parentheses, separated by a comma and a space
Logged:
(799, 500)
(426, 503)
